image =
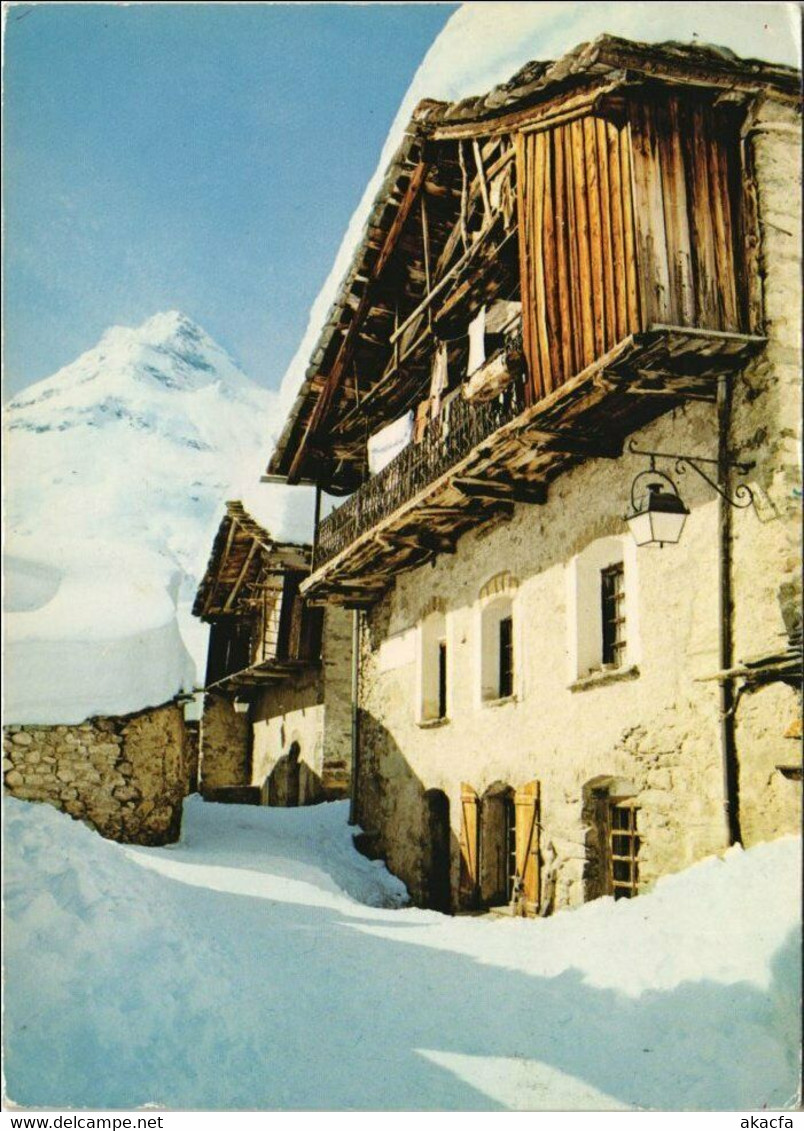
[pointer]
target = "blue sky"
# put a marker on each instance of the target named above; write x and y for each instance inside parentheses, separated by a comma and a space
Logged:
(204, 157)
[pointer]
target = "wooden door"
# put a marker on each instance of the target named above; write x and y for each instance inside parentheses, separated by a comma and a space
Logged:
(469, 876)
(526, 802)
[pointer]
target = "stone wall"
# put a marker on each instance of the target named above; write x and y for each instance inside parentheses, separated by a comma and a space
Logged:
(225, 744)
(126, 776)
(302, 726)
(656, 724)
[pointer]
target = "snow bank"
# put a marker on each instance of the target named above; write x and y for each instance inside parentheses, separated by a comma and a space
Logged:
(98, 636)
(484, 44)
(118, 466)
(262, 963)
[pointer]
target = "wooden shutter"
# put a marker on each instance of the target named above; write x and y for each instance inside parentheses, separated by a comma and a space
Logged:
(526, 800)
(468, 885)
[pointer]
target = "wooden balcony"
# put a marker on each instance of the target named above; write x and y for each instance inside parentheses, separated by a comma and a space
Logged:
(261, 675)
(482, 459)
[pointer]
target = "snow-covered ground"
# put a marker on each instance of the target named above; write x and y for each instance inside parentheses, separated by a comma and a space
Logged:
(263, 964)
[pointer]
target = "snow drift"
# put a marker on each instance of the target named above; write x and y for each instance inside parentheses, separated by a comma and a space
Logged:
(118, 467)
(262, 963)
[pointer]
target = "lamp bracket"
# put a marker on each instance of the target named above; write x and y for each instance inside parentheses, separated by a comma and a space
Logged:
(742, 496)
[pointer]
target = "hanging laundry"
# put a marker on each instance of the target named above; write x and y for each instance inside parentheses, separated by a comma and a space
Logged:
(477, 344)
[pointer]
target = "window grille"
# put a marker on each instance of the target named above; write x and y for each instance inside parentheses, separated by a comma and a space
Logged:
(442, 679)
(506, 680)
(612, 593)
(623, 849)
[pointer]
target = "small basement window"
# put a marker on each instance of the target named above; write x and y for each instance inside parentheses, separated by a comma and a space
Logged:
(623, 849)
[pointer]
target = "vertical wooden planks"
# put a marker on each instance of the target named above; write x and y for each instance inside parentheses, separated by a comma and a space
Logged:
(525, 220)
(606, 237)
(526, 835)
(595, 234)
(649, 215)
(582, 239)
(636, 308)
(706, 299)
(676, 214)
(627, 226)
(564, 333)
(554, 329)
(724, 235)
(538, 145)
(579, 288)
(619, 269)
(573, 282)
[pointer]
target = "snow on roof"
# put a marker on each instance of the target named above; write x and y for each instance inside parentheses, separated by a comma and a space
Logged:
(483, 44)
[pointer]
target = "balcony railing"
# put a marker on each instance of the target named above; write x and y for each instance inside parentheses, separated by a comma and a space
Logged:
(446, 441)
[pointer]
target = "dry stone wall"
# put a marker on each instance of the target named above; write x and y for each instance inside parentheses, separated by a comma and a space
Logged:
(126, 776)
(302, 726)
(225, 745)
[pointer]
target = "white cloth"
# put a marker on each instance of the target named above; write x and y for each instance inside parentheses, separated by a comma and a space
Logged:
(388, 442)
(477, 345)
(439, 378)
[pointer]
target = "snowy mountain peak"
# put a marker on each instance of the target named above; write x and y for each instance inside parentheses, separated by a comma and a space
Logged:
(140, 437)
(120, 464)
(167, 352)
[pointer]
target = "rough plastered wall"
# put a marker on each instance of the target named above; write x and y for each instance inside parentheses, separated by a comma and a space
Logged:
(657, 724)
(653, 724)
(126, 776)
(307, 720)
(225, 745)
(767, 427)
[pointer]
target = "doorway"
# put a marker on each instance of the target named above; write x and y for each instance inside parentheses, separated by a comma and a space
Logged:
(438, 839)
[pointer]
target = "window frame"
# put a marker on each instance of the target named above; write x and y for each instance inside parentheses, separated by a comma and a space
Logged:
(433, 684)
(587, 659)
(497, 603)
(622, 887)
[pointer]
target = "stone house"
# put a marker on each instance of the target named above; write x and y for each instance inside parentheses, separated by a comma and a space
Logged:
(275, 727)
(576, 298)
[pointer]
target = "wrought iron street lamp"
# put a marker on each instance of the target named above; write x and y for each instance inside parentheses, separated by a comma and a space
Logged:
(658, 512)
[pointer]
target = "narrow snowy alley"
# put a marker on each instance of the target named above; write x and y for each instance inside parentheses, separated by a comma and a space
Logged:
(262, 963)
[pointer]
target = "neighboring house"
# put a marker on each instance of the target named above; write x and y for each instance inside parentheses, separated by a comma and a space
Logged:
(602, 253)
(275, 727)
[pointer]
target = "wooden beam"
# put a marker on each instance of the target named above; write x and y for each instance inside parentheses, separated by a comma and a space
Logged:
(349, 342)
(241, 576)
(463, 262)
(502, 489)
(455, 235)
(423, 540)
(464, 198)
(484, 189)
(229, 539)
(522, 119)
(592, 447)
(426, 249)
